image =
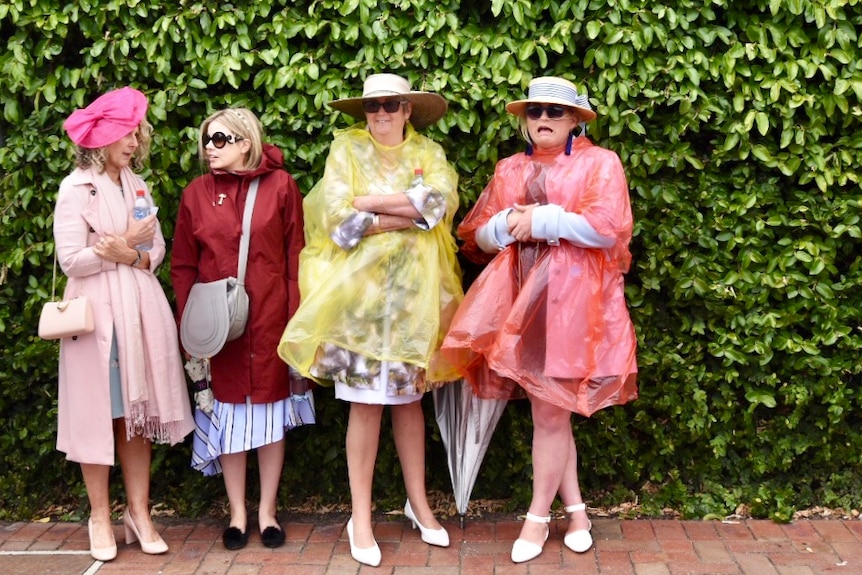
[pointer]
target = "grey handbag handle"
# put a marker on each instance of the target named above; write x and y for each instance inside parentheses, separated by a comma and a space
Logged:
(246, 231)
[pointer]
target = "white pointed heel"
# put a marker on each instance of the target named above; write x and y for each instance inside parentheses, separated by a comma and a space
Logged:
(365, 555)
(524, 550)
(438, 537)
(579, 541)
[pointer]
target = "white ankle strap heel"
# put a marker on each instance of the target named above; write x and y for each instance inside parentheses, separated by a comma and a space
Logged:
(579, 541)
(524, 550)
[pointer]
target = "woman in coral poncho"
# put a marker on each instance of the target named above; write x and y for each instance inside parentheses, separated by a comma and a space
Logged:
(547, 316)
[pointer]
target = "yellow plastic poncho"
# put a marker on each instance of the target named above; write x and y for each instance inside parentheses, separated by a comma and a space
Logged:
(392, 296)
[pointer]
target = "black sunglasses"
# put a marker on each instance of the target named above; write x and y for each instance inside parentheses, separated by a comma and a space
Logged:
(219, 140)
(389, 106)
(535, 111)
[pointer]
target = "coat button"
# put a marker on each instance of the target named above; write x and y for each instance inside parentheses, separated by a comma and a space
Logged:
(74, 338)
(93, 192)
(92, 231)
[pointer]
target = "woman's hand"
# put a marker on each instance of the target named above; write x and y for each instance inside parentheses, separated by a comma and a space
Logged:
(140, 231)
(115, 249)
(520, 221)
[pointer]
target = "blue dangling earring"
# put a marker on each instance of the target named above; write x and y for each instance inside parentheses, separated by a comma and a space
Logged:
(569, 144)
(529, 151)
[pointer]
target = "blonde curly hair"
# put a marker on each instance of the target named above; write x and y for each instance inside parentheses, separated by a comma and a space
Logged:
(96, 157)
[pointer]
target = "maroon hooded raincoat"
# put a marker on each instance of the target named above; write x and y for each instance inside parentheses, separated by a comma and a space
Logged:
(206, 248)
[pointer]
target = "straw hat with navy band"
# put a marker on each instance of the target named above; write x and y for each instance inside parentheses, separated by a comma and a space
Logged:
(427, 106)
(553, 90)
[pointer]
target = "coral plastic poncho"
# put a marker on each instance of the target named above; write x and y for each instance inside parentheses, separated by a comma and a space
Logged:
(389, 298)
(551, 319)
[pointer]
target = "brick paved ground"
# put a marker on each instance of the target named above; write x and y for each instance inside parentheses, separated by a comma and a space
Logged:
(318, 546)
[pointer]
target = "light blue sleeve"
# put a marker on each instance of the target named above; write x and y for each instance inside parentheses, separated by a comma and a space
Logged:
(494, 235)
(552, 224)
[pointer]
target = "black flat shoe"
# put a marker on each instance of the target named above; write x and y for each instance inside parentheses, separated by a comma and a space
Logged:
(272, 537)
(234, 539)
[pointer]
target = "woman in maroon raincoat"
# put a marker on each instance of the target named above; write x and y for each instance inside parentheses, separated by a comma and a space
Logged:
(250, 383)
(547, 316)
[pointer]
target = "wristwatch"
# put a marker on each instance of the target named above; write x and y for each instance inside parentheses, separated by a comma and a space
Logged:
(137, 259)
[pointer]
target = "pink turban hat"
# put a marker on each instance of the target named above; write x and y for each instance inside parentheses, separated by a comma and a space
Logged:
(110, 117)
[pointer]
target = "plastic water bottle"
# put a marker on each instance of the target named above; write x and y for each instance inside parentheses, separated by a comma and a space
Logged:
(143, 207)
(417, 178)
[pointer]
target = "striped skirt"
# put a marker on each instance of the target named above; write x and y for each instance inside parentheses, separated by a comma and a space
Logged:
(238, 427)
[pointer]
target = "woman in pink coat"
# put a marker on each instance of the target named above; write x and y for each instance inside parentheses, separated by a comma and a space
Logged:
(547, 317)
(121, 387)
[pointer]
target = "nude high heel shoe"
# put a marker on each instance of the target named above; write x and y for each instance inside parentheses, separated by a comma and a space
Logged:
(156, 547)
(579, 541)
(524, 550)
(365, 555)
(438, 537)
(101, 553)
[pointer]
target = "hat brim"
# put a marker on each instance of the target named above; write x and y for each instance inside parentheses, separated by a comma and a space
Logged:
(517, 107)
(427, 107)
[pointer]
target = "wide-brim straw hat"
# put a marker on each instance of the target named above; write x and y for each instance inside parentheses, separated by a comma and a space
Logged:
(427, 106)
(554, 90)
(107, 119)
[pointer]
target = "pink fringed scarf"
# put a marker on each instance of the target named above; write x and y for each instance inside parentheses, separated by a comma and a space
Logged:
(145, 373)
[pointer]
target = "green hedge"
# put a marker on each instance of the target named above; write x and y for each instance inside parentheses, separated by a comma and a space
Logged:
(738, 124)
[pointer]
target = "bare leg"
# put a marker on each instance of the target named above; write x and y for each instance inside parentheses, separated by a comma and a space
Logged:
(570, 490)
(552, 436)
(135, 456)
(408, 427)
(96, 478)
(270, 460)
(234, 470)
(363, 438)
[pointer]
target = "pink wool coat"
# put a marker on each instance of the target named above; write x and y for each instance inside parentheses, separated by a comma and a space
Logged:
(85, 427)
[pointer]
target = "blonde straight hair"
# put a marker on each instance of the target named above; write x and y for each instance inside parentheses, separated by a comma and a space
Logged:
(241, 122)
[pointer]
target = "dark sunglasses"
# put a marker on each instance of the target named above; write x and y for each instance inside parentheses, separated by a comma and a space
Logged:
(219, 140)
(535, 111)
(389, 106)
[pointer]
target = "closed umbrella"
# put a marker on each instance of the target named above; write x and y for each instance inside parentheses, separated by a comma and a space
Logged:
(466, 423)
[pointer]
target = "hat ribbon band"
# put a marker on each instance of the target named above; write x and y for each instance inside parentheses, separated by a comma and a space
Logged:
(560, 93)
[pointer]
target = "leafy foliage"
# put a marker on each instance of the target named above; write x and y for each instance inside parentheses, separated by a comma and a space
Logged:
(739, 127)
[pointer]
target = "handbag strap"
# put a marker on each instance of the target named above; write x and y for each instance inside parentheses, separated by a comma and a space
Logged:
(54, 276)
(246, 231)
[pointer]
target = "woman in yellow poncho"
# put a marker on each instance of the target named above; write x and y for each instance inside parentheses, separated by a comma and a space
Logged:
(379, 282)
